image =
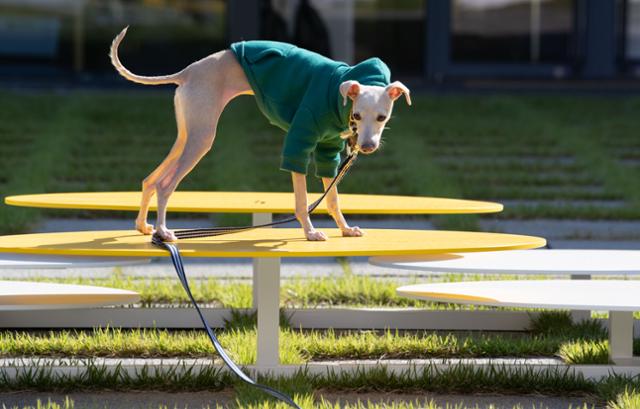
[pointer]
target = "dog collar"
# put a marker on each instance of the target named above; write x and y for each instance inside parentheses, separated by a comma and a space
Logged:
(352, 139)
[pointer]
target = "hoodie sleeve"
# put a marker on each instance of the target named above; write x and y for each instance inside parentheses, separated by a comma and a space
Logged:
(300, 142)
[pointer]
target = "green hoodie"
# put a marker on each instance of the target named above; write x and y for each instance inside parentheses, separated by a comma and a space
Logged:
(298, 91)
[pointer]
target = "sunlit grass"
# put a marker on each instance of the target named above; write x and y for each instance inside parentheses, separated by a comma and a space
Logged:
(296, 292)
(576, 343)
(455, 146)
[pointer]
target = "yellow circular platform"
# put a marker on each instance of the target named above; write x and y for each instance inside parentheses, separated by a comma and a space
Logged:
(254, 202)
(268, 243)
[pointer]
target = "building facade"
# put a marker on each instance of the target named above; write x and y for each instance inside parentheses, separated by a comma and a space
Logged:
(430, 40)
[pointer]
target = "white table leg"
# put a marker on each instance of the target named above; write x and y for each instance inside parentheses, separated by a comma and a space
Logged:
(621, 337)
(259, 264)
(266, 299)
(580, 315)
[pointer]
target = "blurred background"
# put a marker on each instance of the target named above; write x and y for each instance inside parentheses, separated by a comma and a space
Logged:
(532, 103)
(424, 40)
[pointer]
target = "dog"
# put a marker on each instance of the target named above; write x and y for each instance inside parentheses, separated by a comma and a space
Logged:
(301, 92)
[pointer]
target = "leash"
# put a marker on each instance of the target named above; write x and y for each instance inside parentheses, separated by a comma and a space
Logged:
(176, 259)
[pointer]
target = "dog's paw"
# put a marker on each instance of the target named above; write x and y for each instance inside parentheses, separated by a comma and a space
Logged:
(144, 227)
(315, 235)
(352, 232)
(166, 234)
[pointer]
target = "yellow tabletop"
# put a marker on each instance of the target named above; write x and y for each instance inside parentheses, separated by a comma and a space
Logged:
(254, 202)
(268, 243)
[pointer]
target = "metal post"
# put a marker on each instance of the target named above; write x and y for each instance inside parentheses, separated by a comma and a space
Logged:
(266, 299)
(437, 41)
(621, 337)
(243, 20)
(261, 264)
(78, 37)
(600, 49)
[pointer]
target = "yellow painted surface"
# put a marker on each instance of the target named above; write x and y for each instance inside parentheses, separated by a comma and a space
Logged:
(268, 242)
(446, 297)
(254, 202)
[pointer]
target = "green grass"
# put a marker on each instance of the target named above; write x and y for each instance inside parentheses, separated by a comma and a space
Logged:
(303, 386)
(310, 401)
(576, 343)
(456, 146)
(298, 292)
(338, 290)
(620, 391)
(626, 400)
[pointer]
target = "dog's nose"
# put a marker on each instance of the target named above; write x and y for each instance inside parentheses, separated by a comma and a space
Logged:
(368, 147)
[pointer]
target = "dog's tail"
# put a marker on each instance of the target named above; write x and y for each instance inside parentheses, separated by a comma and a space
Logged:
(162, 79)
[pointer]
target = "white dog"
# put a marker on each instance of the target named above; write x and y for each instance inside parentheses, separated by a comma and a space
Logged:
(300, 91)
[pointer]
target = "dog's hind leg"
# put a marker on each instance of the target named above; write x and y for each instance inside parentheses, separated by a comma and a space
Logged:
(208, 85)
(202, 112)
(149, 183)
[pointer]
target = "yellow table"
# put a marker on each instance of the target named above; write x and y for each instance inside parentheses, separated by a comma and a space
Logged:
(254, 202)
(262, 205)
(267, 244)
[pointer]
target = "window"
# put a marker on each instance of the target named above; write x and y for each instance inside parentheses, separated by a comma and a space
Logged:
(512, 31)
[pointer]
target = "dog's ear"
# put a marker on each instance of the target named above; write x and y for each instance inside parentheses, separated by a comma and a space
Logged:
(395, 89)
(349, 89)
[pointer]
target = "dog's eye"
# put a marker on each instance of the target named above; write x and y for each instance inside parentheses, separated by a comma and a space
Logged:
(357, 116)
(381, 118)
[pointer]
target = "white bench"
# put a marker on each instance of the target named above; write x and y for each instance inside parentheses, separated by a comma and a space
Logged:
(35, 261)
(579, 264)
(31, 295)
(619, 297)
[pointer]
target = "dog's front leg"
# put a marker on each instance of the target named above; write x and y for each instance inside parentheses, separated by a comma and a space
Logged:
(333, 206)
(302, 209)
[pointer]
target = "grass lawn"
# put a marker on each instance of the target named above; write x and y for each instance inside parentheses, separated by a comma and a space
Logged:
(308, 390)
(548, 157)
(297, 292)
(545, 152)
(551, 335)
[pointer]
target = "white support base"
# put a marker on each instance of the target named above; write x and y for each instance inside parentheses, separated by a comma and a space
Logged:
(307, 318)
(11, 368)
(580, 315)
(621, 337)
(266, 299)
(268, 306)
(258, 263)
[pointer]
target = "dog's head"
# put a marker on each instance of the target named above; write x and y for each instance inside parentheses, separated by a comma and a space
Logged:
(371, 109)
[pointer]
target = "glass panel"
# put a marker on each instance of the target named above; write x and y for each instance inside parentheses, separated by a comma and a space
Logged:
(393, 30)
(352, 30)
(76, 34)
(633, 30)
(516, 31)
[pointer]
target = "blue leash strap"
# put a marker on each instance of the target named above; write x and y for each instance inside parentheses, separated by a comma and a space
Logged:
(176, 258)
